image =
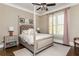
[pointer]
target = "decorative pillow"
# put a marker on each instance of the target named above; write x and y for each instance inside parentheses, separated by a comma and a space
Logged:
(25, 32)
(31, 31)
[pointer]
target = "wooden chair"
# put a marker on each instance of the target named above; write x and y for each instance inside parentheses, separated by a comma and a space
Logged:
(76, 42)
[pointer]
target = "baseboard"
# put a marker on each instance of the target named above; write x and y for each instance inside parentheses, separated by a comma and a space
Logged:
(70, 43)
(62, 44)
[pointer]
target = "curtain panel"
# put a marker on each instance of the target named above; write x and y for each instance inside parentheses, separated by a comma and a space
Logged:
(66, 36)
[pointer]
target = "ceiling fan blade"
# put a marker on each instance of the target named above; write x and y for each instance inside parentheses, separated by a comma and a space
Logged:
(51, 4)
(35, 3)
(38, 8)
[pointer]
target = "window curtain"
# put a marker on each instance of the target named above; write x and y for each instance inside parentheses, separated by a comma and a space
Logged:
(66, 38)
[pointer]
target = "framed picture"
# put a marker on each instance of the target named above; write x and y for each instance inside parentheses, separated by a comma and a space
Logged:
(30, 21)
(25, 21)
(21, 20)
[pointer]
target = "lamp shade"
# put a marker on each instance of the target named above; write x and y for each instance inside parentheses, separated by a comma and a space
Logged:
(38, 29)
(11, 28)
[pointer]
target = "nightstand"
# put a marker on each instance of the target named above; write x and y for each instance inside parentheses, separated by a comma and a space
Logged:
(10, 41)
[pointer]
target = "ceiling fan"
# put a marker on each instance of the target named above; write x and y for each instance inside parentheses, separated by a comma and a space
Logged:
(44, 6)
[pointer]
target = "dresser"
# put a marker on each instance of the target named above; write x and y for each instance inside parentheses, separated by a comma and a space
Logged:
(10, 41)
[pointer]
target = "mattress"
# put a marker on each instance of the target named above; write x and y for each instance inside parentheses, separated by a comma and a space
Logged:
(30, 38)
(42, 36)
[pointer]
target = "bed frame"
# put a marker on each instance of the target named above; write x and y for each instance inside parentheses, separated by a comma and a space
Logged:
(45, 43)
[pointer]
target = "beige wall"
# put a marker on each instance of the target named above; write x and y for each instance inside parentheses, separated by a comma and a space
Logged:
(44, 24)
(74, 22)
(9, 17)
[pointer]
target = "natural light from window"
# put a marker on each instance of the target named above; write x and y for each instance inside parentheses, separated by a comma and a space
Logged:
(56, 24)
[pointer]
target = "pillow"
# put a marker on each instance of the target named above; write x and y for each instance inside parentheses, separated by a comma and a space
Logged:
(25, 32)
(31, 31)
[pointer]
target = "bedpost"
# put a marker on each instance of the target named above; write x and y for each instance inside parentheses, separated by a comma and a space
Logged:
(34, 30)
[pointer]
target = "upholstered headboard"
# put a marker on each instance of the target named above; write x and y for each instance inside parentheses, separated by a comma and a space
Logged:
(25, 27)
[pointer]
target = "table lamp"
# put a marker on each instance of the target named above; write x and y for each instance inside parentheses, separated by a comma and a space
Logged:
(38, 30)
(11, 30)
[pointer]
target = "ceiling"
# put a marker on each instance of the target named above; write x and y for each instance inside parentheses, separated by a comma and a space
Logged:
(29, 6)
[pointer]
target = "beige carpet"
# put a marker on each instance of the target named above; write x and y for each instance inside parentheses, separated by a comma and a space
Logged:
(56, 50)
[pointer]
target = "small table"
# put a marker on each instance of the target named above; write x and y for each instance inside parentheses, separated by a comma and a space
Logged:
(10, 41)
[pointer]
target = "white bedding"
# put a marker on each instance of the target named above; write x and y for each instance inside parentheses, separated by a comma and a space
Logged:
(30, 40)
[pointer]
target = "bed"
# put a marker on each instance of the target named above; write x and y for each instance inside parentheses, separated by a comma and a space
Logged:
(43, 41)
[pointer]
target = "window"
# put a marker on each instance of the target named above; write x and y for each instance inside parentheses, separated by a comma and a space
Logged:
(56, 24)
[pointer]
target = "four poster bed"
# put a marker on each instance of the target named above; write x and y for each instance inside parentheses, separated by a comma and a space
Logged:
(43, 41)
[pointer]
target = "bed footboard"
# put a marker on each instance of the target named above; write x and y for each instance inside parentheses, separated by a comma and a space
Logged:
(45, 43)
(40, 45)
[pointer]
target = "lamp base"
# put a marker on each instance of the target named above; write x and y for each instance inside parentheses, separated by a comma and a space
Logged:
(10, 33)
(38, 31)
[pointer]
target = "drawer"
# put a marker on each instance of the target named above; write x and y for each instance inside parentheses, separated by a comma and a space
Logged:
(11, 38)
(10, 44)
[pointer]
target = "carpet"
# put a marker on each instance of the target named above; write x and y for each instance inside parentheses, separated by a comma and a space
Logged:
(56, 50)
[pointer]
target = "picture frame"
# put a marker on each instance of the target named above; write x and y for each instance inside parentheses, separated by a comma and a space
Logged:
(21, 20)
(30, 21)
(25, 21)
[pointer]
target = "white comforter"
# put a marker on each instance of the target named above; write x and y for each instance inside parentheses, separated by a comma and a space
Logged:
(30, 38)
